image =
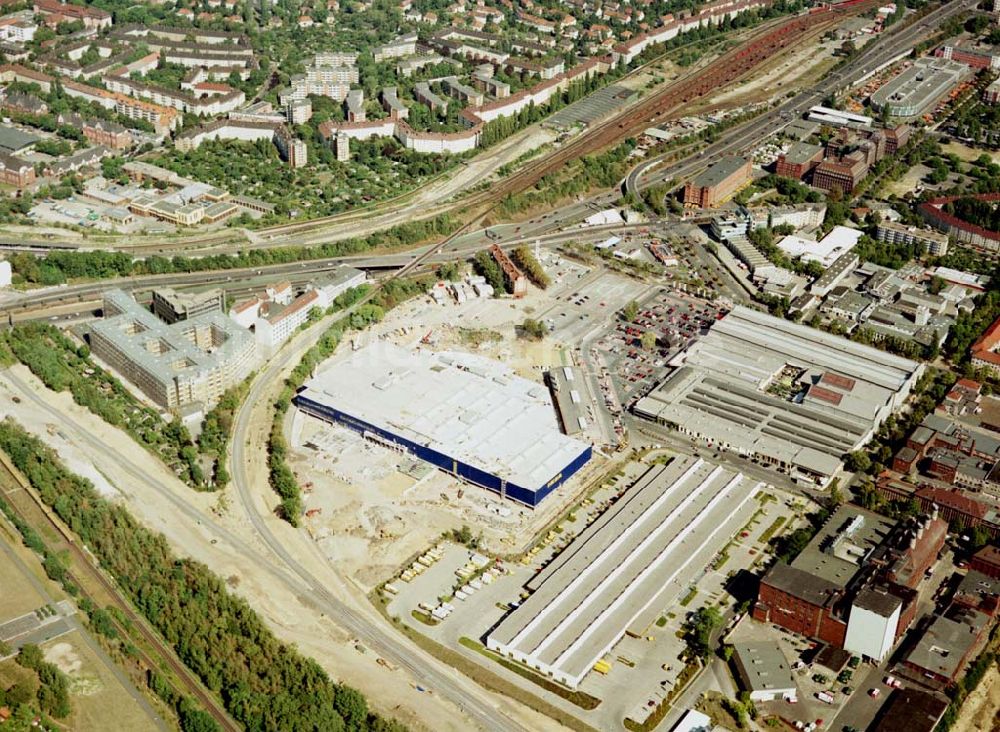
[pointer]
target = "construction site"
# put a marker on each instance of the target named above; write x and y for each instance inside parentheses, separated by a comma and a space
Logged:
(377, 492)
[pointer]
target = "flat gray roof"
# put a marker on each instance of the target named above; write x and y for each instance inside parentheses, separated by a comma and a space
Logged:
(837, 551)
(569, 393)
(169, 351)
(946, 642)
(757, 384)
(719, 171)
(880, 602)
(799, 583)
(763, 666)
(914, 90)
(625, 567)
(802, 152)
(13, 139)
(471, 408)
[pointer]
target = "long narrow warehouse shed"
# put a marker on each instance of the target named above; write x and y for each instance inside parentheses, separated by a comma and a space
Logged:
(620, 573)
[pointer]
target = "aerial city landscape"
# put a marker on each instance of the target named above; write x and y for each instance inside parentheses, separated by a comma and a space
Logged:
(506, 365)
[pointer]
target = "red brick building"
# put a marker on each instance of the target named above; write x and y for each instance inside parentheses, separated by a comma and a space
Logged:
(857, 554)
(987, 561)
(843, 176)
(15, 172)
(801, 603)
(109, 134)
(799, 160)
(717, 184)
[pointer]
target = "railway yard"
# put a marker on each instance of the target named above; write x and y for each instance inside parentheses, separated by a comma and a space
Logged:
(588, 455)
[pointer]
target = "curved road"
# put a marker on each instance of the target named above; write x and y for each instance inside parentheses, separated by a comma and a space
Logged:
(744, 136)
(378, 635)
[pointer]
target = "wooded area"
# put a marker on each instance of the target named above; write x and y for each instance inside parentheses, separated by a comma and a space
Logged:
(264, 683)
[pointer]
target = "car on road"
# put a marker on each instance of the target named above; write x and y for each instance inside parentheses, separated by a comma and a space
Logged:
(874, 693)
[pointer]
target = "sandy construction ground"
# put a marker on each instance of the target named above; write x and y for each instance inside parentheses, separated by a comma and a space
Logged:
(201, 526)
(981, 711)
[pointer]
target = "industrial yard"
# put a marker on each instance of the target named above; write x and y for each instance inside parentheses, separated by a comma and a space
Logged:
(449, 599)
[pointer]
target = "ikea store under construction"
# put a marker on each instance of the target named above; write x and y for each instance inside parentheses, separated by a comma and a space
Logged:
(626, 568)
(465, 414)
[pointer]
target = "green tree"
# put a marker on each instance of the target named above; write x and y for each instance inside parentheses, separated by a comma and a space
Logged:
(631, 311)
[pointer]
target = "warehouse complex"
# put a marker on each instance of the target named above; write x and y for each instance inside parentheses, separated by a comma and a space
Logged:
(627, 566)
(190, 361)
(788, 395)
(467, 415)
(915, 91)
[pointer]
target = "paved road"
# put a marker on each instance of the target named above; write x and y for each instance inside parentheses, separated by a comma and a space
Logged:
(879, 51)
(35, 304)
(375, 634)
(68, 624)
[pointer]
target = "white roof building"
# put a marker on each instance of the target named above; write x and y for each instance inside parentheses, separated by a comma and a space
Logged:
(626, 567)
(825, 251)
(468, 415)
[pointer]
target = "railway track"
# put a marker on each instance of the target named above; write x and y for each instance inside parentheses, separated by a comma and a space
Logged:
(192, 685)
(729, 67)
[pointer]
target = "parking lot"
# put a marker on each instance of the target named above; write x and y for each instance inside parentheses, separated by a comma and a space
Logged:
(675, 318)
(643, 667)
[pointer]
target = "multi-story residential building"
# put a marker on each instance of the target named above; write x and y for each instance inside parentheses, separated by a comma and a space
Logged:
(343, 145)
(933, 242)
(355, 103)
(984, 350)
(16, 172)
(218, 100)
(462, 92)
(91, 17)
(17, 29)
(16, 72)
(275, 327)
(329, 75)
(405, 45)
(299, 112)
(392, 104)
(191, 361)
(422, 93)
(292, 149)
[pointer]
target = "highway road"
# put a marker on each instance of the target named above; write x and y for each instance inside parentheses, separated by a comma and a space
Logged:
(741, 138)
(40, 304)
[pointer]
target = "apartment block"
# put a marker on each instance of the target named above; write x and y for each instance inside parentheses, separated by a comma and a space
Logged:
(175, 365)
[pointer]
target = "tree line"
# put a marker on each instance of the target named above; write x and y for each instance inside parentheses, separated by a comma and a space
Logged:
(264, 683)
(58, 267)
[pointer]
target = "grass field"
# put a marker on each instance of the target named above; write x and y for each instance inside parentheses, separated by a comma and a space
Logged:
(99, 700)
(18, 596)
